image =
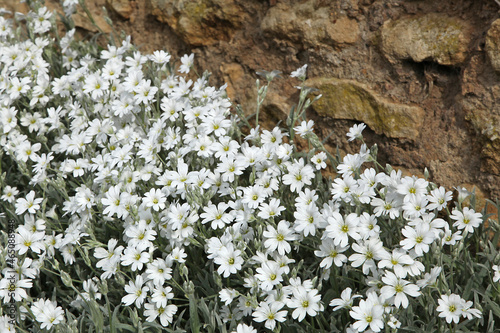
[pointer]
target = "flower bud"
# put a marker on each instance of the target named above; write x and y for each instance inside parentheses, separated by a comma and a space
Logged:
(66, 279)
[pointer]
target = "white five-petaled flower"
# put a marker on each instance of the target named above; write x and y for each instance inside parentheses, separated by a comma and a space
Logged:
(270, 314)
(345, 301)
(305, 302)
(398, 287)
(278, 238)
(47, 313)
(29, 204)
(368, 314)
(340, 228)
(355, 132)
(466, 219)
(137, 292)
(450, 307)
(229, 260)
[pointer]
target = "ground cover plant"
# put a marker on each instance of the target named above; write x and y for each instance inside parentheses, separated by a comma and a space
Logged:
(136, 197)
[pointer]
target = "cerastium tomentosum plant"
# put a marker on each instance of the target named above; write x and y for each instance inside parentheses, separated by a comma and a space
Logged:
(131, 201)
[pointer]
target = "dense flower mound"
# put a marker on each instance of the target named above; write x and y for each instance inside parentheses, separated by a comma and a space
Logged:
(139, 205)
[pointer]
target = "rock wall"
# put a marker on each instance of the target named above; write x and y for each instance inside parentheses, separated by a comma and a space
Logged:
(424, 75)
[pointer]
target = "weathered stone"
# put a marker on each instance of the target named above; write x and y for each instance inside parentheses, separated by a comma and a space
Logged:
(121, 7)
(485, 121)
(82, 21)
(493, 45)
(343, 31)
(233, 76)
(305, 24)
(347, 99)
(434, 37)
(200, 22)
(14, 6)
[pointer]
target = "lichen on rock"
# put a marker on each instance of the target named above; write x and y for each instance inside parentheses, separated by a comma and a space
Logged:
(347, 99)
(309, 25)
(435, 37)
(493, 45)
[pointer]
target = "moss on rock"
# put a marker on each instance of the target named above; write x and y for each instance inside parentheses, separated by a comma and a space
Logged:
(347, 99)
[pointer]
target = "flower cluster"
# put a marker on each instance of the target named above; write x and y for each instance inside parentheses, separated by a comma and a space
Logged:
(130, 178)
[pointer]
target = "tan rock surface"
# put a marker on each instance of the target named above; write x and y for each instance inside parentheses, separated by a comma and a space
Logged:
(348, 99)
(434, 37)
(309, 24)
(200, 22)
(124, 8)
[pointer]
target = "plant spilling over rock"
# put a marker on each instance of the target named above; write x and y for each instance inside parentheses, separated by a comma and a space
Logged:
(133, 202)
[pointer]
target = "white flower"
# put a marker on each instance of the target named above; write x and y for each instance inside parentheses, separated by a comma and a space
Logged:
(399, 287)
(243, 328)
(439, 198)
(158, 271)
(270, 314)
(332, 254)
(186, 63)
(466, 219)
(319, 160)
(155, 199)
(14, 289)
(300, 73)
(160, 295)
(305, 302)
(341, 229)
(216, 215)
(160, 57)
(305, 128)
(270, 209)
(368, 314)
(417, 238)
(367, 251)
(396, 261)
(278, 238)
(109, 257)
(355, 132)
(141, 235)
(47, 313)
(136, 292)
(450, 307)
(29, 204)
(166, 314)
(227, 295)
(229, 259)
(269, 274)
(496, 270)
(345, 301)
(29, 239)
(299, 174)
(430, 278)
(135, 257)
(307, 219)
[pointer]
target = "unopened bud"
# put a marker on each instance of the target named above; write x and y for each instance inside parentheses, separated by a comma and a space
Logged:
(66, 279)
